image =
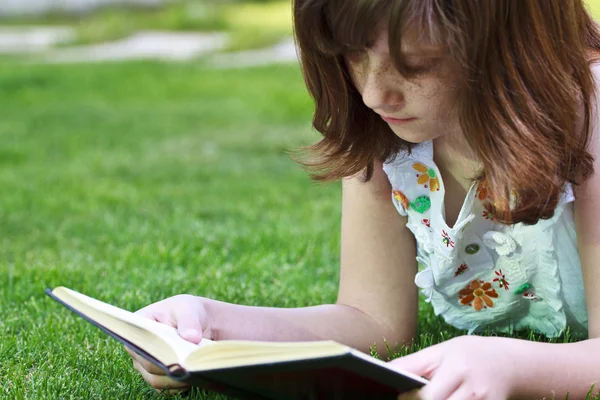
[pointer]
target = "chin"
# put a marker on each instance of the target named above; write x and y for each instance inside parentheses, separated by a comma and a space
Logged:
(414, 137)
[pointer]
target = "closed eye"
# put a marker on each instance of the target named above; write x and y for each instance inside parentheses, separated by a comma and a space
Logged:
(421, 65)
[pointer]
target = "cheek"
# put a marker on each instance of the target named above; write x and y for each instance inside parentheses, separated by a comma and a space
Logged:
(357, 78)
(436, 98)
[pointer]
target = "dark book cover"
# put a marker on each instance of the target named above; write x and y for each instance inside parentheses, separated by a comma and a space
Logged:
(347, 376)
(342, 377)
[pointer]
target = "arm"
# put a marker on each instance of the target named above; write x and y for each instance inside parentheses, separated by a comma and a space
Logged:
(582, 359)
(377, 297)
(492, 367)
(573, 367)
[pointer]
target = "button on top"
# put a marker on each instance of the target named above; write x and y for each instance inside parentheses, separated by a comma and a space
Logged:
(473, 248)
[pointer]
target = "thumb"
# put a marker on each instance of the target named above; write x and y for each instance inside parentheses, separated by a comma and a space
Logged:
(189, 327)
(422, 363)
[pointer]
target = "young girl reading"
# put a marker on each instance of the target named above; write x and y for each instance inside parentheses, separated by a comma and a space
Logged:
(465, 134)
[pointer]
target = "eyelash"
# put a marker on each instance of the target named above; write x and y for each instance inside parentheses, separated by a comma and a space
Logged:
(355, 55)
(419, 70)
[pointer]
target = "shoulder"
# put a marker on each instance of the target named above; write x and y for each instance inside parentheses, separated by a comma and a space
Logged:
(595, 69)
(594, 142)
(588, 192)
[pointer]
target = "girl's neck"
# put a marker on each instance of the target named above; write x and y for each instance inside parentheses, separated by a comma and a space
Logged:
(454, 157)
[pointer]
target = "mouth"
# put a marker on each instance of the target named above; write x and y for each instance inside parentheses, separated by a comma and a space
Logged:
(397, 121)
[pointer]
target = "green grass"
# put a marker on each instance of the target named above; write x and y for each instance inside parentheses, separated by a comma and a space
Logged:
(250, 24)
(134, 182)
(139, 181)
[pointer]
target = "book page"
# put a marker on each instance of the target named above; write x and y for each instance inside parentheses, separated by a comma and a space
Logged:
(231, 353)
(141, 331)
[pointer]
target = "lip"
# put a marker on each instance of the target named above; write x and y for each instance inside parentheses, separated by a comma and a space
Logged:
(397, 121)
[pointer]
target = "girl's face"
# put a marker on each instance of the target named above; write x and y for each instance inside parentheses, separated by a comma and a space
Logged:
(418, 109)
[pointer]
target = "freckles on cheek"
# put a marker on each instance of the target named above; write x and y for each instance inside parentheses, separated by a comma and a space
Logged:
(437, 97)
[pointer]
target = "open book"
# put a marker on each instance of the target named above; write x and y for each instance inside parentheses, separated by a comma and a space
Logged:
(247, 369)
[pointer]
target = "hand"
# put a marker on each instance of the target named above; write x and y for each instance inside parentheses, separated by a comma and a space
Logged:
(184, 312)
(467, 367)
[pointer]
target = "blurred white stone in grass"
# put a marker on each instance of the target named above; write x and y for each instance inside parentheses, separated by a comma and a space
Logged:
(210, 149)
(171, 46)
(38, 7)
(282, 53)
(33, 39)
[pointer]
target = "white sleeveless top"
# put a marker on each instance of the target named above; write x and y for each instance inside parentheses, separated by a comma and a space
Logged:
(481, 274)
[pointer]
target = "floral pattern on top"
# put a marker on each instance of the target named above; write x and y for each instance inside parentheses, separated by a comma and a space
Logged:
(476, 294)
(460, 270)
(447, 240)
(501, 279)
(487, 215)
(531, 296)
(427, 176)
(421, 204)
(398, 195)
(483, 192)
(482, 273)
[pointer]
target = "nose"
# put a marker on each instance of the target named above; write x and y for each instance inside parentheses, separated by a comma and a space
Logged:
(381, 88)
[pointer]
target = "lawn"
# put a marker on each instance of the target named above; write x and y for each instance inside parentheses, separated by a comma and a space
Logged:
(249, 24)
(139, 181)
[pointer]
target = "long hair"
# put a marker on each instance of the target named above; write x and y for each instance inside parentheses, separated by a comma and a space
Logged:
(523, 73)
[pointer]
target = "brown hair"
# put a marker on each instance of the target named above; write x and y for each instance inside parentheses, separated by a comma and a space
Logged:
(524, 73)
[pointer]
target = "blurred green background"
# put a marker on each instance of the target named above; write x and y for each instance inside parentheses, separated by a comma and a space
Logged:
(136, 181)
(252, 24)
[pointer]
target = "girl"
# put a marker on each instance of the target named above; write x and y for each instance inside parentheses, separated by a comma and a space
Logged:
(464, 132)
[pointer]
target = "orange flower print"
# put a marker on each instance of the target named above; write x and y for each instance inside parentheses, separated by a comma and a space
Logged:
(398, 195)
(427, 176)
(476, 293)
(482, 190)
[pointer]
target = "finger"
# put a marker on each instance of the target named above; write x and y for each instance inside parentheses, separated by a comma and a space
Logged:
(140, 363)
(188, 325)
(162, 382)
(173, 391)
(412, 395)
(422, 363)
(159, 316)
(464, 393)
(447, 380)
(147, 365)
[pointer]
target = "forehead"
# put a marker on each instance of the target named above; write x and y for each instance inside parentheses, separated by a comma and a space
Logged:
(410, 44)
